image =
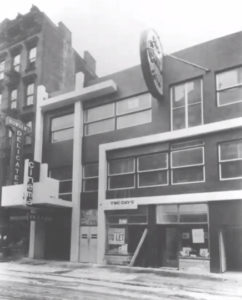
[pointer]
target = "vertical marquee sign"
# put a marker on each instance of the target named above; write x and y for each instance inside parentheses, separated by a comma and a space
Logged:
(32, 171)
(19, 130)
(151, 54)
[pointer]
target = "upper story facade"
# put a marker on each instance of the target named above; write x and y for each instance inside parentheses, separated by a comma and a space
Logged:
(202, 87)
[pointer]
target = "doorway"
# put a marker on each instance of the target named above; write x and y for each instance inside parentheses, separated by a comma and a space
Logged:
(88, 244)
(233, 248)
(168, 246)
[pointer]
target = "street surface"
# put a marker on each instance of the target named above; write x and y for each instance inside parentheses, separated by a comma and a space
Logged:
(33, 279)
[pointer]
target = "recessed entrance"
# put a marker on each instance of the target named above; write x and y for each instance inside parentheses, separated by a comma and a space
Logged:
(233, 248)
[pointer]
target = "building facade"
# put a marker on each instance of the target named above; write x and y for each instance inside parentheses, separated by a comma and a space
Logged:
(146, 181)
(33, 51)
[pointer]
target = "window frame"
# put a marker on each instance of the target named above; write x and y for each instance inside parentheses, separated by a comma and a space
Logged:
(28, 95)
(86, 178)
(121, 174)
(2, 69)
(188, 166)
(32, 60)
(117, 115)
(63, 129)
(226, 88)
(153, 171)
(186, 105)
(13, 100)
(16, 66)
(227, 160)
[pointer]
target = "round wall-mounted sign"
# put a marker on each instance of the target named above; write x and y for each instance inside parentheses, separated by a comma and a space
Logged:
(151, 54)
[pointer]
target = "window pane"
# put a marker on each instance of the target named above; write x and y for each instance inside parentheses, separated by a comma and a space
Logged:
(134, 119)
(153, 161)
(30, 89)
(153, 178)
(231, 150)
(66, 197)
(99, 113)
(229, 78)
(194, 91)
(194, 115)
(179, 118)
(192, 174)
(119, 166)
(30, 100)
(62, 122)
(193, 213)
(232, 169)
(32, 54)
(61, 173)
(133, 104)
(90, 185)
(62, 135)
(166, 214)
(187, 157)
(90, 170)
(230, 95)
(121, 181)
(14, 94)
(178, 96)
(100, 127)
(65, 187)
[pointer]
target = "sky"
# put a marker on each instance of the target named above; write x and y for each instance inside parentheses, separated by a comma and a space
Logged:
(110, 29)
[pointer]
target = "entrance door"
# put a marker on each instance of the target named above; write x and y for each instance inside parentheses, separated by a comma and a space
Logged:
(170, 247)
(88, 244)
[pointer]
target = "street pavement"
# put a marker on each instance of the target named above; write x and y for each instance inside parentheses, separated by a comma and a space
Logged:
(50, 280)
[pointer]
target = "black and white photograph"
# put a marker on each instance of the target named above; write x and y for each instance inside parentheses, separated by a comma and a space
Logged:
(121, 150)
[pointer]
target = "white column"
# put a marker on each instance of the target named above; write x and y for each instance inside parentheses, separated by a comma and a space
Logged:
(102, 183)
(76, 181)
(36, 239)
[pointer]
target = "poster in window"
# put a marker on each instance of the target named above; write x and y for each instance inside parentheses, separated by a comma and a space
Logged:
(198, 236)
(116, 236)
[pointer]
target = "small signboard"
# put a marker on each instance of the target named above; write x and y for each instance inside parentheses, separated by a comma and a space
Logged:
(198, 236)
(120, 204)
(31, 176)
(116, 236)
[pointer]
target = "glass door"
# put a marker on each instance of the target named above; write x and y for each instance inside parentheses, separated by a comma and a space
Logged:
(171, 244)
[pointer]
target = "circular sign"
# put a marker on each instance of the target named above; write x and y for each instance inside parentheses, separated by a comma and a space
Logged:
(151, 54)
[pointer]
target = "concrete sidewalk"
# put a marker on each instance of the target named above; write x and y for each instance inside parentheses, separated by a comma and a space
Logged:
(129, 275)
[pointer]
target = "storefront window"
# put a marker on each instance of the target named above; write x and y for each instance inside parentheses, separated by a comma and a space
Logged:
(167, 214)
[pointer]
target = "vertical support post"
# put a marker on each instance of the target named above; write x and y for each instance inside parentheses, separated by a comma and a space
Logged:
(76, 181)
(102, 183)
(36, 248)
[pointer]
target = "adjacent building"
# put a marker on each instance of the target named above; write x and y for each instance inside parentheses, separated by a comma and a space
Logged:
(33, 51)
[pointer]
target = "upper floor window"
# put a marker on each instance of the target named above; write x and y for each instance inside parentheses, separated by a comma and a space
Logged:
(187, 165)
(121, 173)
(29, 97)
(230, 160)
(62, 128)
(28, 137)
(13, 98)
(186, 104)
(229, 86)
(32, 54)
(16, 62)
(2, 69)
(117, 115)
(153, 170)
(1, 97)
(90, 177)
(64, 175)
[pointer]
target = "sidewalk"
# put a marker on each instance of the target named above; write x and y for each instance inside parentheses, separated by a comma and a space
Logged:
(117, 274)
